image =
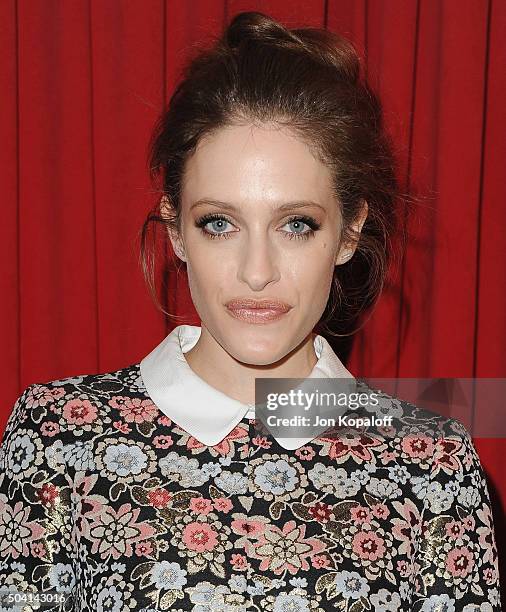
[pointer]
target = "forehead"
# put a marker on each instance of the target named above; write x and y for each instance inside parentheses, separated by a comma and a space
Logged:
(252, 163)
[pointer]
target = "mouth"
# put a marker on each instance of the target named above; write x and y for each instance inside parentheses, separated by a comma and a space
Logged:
(257, 311)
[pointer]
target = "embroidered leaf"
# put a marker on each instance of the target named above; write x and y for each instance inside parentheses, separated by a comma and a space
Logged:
(169, 515)
(476, 588)
(146, 428)
(217, 569)
(335, 529)
(116, 490)
(357, 606)
(246, 502)
(152, 483)
(276, 508)
(324, 582)
(390, 576)
(140, 495)
(30, 492)
(309, 497)
(39, 476)
(167, 600)
(263, 580)
(145, 581)
(214, 492)
(371, 501)
(302, 512)
(181, 499)
(38, 413)
(342, 510)
(194, 568)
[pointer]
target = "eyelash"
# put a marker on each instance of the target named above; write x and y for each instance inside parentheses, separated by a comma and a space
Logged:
(314, 225)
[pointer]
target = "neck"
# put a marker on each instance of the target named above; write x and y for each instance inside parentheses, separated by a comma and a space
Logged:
(211, 362)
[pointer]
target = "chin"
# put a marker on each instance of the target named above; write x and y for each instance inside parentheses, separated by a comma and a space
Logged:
(256, 348)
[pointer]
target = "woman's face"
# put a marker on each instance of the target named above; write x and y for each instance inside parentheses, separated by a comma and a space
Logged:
(239, 243)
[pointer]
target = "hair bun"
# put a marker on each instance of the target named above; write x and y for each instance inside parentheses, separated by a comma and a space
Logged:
(323, 46)
(252, 25)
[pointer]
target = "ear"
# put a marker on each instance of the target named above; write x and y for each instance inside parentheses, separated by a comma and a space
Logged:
(347, 250)
(167, 212)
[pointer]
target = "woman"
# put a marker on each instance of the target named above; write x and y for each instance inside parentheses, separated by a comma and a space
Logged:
(153, 487)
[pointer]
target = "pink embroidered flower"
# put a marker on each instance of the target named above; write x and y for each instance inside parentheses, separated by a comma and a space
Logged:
(469, 523)
(490, 575)
(388, 431)
(454, 530)
(486, 535)
(380, 511)
(135, 409)
(122, 426)
(239, 562)
(368, 545)
(163, 441)
(144, 549)
(386, 456)
(305, 453)
(404, 569)
(248, 527)
(200, 537)
(159, 498)
(164, 420)
(459, 561)
(261, 442)
(320, 561)
(38, 549)
(418, 446)
(445, 456)
(321, 512)
(48, 494)
(201, 505)
(41, 395)
(407, 527)
(79, 412)
(350, 444)
(286, 548)
(50, 429)
(116, 531)
(361, 514)
(223, 504)
(19, 530)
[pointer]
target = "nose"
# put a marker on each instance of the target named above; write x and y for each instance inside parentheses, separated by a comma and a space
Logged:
(258, 262)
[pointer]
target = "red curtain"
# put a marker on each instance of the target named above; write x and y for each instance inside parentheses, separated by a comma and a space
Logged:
(82, 83)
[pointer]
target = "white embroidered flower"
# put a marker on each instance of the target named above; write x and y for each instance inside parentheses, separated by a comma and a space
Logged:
(168, 575)
(232, 483)
(276, 477)
(382, 488)
(437, 498)
(438, 603)
(351, 585)
(184, 470)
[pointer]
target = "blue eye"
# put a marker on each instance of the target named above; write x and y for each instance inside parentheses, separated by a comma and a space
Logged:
(218, 225)
(298, 232)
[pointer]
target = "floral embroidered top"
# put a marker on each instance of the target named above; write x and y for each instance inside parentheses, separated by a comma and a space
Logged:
(109, 502)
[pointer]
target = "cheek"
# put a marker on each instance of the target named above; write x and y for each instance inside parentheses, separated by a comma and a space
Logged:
(311, 274)
(207, 275)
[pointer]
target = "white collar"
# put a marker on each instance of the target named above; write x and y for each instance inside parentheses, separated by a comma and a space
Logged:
(206, 413)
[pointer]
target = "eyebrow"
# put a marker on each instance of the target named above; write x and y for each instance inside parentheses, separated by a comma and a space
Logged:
(227, 206)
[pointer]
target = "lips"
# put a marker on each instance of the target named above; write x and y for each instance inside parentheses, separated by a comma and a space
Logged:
(250, 304)
(257, 311)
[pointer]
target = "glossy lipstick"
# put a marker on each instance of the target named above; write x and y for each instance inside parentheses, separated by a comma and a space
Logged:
(257, 311)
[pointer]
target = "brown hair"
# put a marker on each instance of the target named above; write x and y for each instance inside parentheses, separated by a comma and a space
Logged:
(309, 81)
